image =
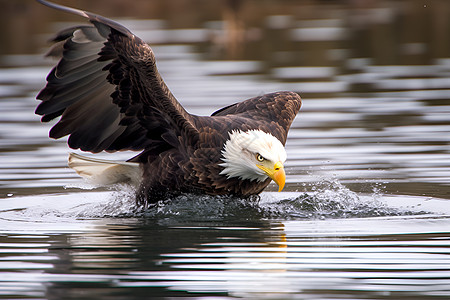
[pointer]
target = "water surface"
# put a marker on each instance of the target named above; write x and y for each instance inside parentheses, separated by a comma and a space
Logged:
(365, 212)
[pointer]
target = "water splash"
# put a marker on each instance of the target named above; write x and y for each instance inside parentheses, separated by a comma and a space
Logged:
(329, 199)
(119, 204)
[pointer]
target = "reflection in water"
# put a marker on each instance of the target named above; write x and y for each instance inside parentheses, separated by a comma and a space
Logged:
(375, 81)
(405, 258)
(218, 246)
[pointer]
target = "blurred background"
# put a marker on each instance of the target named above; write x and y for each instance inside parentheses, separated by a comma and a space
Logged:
(282, 32)
(374, 76)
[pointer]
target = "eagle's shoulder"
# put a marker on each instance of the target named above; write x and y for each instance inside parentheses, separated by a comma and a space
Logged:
(272, 113)
(272, 102)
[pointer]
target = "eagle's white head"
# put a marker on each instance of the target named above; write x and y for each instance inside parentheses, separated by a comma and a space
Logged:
(254, 155)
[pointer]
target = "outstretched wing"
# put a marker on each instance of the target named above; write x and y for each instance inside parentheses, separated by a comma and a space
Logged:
(108, 91)
(272, 113)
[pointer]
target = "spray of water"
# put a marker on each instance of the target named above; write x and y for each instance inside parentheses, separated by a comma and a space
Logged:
(327, 198)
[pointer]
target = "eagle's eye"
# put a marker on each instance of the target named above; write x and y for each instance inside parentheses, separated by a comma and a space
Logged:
(259, 157)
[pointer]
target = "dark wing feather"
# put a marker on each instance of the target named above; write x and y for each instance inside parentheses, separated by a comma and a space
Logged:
(108, 91)
(272, 113)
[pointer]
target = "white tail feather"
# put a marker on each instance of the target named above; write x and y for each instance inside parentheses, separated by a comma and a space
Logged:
(105, 172)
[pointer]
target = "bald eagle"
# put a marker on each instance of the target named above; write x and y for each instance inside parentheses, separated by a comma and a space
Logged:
(110, 97)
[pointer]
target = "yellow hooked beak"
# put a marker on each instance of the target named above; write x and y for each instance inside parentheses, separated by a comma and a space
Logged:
(276, 174)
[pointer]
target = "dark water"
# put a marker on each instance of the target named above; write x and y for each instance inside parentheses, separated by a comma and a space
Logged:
(365, 212)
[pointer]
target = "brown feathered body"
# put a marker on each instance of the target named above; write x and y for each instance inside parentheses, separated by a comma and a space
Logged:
(110, 97)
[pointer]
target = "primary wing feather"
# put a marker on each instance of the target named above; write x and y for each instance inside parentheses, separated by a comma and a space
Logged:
(108, 91)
